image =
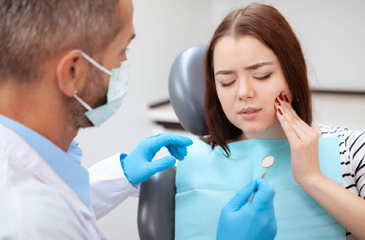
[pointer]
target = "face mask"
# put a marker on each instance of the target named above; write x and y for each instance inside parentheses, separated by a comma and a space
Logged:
(117, 89)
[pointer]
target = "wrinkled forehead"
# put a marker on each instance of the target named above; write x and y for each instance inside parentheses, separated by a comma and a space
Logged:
(241, 51)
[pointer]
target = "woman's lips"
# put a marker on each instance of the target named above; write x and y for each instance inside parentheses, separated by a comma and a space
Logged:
(249, 113)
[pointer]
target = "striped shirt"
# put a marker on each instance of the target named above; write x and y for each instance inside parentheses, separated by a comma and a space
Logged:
(352, 154)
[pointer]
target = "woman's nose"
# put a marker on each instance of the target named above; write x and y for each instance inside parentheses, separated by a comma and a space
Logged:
(245, 89)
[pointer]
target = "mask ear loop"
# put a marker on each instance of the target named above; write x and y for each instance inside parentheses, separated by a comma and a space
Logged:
(82, 102)
(93, 62)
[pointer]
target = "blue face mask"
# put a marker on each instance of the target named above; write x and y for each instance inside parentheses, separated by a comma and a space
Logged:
(117, 89)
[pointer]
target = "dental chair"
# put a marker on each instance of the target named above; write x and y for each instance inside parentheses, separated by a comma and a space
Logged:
(156, 208)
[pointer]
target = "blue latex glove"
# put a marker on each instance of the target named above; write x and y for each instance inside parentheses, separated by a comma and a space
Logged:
(241, 219)
(138, 165)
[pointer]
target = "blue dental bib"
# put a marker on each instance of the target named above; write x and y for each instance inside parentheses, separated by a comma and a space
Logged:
(206, 180)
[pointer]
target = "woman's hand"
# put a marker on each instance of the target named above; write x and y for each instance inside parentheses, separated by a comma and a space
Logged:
(303, 141)
(334, 198)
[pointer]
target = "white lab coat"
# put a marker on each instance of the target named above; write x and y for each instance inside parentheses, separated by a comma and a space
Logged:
(36, 204)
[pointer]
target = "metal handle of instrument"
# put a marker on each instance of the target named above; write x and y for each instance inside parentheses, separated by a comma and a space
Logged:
(263, 177)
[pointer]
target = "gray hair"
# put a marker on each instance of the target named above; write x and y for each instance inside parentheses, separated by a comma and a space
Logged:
(33, 32)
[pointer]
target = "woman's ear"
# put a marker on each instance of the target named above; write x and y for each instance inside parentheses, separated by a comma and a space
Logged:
(71, 73)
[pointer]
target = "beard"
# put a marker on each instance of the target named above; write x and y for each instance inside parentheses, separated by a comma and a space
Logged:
(94, 94)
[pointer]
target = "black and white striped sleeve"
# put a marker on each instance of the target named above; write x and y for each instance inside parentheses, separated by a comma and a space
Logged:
(352, 154)
(356, 147)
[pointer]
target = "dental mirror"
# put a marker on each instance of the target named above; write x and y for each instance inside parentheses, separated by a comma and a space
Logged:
(266, 162)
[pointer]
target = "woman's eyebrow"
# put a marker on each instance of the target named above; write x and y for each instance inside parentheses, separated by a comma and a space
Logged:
(257, 65)
(224, 72)
(252, 67)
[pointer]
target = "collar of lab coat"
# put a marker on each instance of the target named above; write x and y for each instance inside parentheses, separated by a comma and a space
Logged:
(66, 167)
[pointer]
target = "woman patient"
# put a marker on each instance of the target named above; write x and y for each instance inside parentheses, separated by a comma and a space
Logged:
(258, 103)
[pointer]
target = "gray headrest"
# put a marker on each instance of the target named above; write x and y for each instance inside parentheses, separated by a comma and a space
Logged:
(187, 89)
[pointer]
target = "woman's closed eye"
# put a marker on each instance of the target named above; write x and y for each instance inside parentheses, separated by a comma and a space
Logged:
(263, 77)
(226, 84)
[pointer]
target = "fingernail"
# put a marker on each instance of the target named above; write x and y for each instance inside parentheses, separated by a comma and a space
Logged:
(286, 99)
(280, 111)
(281, 97)
(277, 102)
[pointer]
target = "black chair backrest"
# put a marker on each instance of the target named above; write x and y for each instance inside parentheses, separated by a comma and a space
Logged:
(187, 89)
(156, 207)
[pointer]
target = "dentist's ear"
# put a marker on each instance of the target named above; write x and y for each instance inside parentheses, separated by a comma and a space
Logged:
(71, 73)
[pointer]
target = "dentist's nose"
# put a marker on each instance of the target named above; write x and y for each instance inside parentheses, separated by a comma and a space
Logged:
(245, 90)
(124, 56)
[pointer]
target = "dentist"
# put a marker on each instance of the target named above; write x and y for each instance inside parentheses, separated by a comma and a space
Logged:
(63, 67)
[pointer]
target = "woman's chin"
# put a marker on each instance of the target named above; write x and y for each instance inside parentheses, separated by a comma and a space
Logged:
(255, 131)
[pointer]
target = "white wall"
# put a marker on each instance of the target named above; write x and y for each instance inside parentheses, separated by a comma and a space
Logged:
(340, 110)
(165, 27)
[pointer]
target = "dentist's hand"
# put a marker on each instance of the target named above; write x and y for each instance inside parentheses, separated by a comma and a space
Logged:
(138, 165)
(241, 219)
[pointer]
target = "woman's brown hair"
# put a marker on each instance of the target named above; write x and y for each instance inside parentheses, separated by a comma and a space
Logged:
(266, 24)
